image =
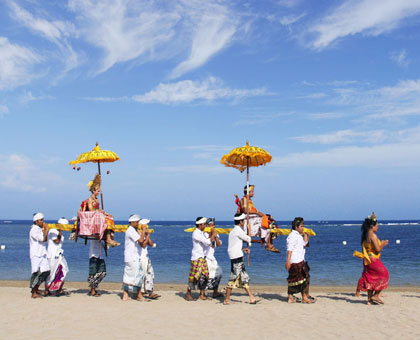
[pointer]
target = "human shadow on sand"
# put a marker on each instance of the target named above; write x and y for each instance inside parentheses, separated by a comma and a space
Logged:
(87, 291)
(271, 296)
(336, 297)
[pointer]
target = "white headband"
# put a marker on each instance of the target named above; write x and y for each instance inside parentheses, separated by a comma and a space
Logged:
(240, 217)
(201, 220)
(62, 221)
(144, 221)
(38, 216)
(134, 218)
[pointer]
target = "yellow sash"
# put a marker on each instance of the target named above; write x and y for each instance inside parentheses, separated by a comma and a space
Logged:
(367, 253)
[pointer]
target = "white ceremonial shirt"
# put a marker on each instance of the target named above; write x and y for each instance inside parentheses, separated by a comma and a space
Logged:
(209, 250)
(36, 242)
(54, 248)
(95, 249)
(199, 243)
(296, 244)
(236, 238)
(144, 253)
(132, 248)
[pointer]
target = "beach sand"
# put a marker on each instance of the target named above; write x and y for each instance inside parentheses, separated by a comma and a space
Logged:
(336, 314)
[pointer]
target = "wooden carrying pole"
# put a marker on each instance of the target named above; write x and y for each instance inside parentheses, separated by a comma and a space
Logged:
(247, 205)
(102, 197)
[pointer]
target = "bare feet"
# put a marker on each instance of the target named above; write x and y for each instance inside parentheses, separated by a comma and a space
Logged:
(94, 293)
(125, 296)
(36, 296)
(272, 248)
(153, 296)
(377, 299)
(254, 302)
(189, 297)
(291, 299)
(203, 297)
(308, 301)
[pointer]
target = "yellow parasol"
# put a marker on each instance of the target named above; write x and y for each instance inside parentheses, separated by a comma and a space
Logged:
(97, 155)
(243, 158)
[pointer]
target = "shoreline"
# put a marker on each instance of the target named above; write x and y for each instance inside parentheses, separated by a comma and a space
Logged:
(181, 287)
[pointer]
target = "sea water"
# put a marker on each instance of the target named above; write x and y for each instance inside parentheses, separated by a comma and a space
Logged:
(331, 262)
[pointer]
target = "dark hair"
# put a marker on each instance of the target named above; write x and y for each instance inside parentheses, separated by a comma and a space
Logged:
(211, 220)
(250, 186)
(297, 222)
(237, 222)
(366, 226)
(198, 219)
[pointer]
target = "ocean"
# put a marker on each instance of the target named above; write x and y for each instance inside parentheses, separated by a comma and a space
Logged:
(331, 262)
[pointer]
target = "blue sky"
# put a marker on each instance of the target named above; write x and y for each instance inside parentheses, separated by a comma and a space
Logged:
(330, 88)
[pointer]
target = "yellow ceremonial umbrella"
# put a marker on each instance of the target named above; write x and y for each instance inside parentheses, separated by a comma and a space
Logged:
(97, 155)
(243, 158)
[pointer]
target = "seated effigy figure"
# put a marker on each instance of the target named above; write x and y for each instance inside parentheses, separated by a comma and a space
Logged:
(259, 222)
(93, 222)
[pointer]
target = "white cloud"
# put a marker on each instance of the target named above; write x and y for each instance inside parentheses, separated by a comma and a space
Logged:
(344, 136)
(16, 63)
(20, 173)
(213, 29)
(124, 30)
(187, 91)
(55, 31)
(51, 30)
(289, 3)
(29, 97)
(400, 58)
(370, 17)
(291, 19)
(4, 110)
(386, 155)
(143, 31)
(325, 115)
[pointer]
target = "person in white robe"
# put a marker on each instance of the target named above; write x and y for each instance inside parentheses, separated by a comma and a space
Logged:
(148, 272)
(215, 271)
(133, 269)
(56, 260)
(40, 267)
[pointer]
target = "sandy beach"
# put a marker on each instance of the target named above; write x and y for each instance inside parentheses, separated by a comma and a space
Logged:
(336, 314)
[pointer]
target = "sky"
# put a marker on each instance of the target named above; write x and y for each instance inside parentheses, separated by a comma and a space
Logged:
(331, 89)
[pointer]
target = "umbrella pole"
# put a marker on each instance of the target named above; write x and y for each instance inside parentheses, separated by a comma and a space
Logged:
(247, 203)
(102, 197)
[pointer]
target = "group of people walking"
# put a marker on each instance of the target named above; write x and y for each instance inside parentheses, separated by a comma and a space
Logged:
(49, 265)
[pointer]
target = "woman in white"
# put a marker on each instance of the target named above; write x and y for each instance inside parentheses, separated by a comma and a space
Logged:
(133, 271)
(148, 272)
(215, 272)
(58, 264)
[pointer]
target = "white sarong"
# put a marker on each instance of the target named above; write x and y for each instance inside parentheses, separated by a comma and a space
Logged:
(133, 273)
(39, 263)
(149, 275)
(59, 270)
